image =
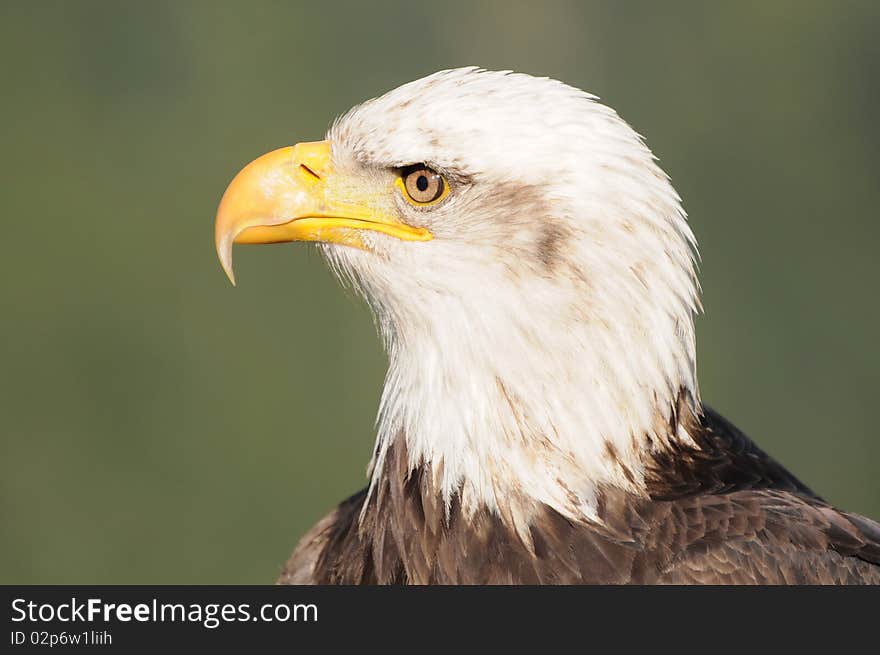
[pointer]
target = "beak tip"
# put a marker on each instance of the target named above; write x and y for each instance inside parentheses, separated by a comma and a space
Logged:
(227, 268)
(224, 254)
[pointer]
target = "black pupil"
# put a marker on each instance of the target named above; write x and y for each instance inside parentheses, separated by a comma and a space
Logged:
(422, 183)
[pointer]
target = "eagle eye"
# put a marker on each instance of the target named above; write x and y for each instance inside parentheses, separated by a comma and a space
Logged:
(422, 184)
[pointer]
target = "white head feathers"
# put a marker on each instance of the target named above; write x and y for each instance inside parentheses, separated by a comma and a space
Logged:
(545, 333)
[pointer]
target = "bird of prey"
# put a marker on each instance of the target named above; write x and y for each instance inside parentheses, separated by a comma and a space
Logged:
(532, 276)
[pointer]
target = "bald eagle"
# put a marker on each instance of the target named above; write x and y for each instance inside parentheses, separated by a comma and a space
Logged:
(532, 276)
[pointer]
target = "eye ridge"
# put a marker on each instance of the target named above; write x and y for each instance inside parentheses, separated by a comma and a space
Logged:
(422, 184)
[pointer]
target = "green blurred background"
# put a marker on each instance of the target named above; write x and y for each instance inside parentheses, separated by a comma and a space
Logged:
(159, 426)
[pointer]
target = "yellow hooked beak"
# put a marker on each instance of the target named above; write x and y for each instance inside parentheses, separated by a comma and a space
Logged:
(293, 194)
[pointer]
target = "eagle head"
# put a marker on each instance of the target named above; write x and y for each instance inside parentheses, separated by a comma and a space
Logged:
(530, 268)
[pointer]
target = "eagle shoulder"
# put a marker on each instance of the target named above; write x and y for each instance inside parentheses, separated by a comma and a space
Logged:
(765, 537)
(741, 517)
(303, 562)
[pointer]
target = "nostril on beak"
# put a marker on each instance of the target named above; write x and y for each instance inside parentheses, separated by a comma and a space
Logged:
(310, 172)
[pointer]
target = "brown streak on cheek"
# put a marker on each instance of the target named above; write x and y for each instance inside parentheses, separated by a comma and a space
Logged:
(532, 230)
(550, 242)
